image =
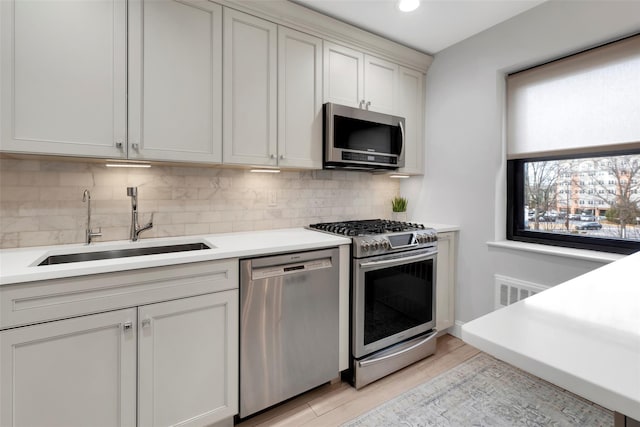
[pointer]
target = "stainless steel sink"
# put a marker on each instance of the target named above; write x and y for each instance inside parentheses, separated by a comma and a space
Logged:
(123, 253)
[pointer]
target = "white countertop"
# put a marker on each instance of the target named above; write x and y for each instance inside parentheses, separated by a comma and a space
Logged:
(21, 265)
(440, 228)
(582, 335)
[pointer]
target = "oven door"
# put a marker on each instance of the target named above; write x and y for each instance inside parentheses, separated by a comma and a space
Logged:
(393, 299)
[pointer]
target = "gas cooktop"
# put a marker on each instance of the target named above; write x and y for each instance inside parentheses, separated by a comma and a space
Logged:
(366, 227)
(382, 236)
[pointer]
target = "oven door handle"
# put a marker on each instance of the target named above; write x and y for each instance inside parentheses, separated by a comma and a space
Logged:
(368, 362)
(400, 260)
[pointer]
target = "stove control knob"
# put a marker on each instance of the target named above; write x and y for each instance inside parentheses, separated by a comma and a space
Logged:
(386, 244)
(364, 246)
(375, 245)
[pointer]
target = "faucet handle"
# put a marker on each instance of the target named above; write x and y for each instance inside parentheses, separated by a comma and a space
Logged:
(132, 191)
(151, 219)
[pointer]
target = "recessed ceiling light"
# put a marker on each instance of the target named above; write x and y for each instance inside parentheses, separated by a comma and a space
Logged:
(408, 5)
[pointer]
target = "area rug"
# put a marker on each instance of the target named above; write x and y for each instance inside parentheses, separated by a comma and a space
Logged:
(484, 391)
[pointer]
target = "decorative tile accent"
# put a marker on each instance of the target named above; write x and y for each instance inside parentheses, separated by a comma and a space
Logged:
(41, 200)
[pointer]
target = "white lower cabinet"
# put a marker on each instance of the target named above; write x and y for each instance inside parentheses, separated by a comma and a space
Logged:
(445, 280)
(188, 360)
(73, 372)
(71, 356)
(82, 371)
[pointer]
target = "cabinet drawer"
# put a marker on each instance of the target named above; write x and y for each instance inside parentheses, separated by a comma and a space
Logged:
(22, 304)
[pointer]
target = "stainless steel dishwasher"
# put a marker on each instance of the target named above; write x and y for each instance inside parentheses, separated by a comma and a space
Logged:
(288, 326)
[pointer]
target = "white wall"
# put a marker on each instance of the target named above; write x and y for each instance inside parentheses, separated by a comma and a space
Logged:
(465, 180)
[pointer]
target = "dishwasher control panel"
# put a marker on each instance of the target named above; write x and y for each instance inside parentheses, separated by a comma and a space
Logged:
(284, 269)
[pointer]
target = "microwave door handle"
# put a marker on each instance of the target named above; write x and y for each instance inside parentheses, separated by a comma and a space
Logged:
(401, 138)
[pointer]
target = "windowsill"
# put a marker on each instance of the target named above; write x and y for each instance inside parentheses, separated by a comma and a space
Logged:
(583, 254)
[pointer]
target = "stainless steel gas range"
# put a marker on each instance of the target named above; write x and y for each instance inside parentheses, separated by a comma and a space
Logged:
(393, 294)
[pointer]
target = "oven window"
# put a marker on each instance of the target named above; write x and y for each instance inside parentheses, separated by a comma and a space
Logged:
(396, 299)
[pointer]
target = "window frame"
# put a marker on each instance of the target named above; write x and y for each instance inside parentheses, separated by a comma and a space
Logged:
(515, 212)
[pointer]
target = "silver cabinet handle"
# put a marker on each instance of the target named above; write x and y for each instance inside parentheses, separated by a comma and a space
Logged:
(127, 326)
(273, 156)
(135, 146)
(367, 105)
(282, 157)
(361, 104)
(119, 145)
(146, 323)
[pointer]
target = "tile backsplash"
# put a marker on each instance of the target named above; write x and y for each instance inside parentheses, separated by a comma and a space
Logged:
(41, 200)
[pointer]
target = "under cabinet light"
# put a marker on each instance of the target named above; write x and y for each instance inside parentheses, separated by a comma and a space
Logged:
(408, 5)
(127, 165)
(265, 170)
(399, 176)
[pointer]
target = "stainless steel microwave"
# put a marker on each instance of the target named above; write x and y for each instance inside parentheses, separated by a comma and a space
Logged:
(361, 139)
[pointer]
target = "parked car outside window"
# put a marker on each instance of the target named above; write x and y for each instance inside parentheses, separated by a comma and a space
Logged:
(589, 226)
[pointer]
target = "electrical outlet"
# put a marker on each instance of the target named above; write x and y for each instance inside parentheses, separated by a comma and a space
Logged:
(272, 198)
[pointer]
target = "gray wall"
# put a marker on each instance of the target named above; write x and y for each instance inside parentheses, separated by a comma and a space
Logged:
(465, 178)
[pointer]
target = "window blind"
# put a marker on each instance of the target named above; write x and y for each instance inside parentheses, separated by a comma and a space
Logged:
(585, 103)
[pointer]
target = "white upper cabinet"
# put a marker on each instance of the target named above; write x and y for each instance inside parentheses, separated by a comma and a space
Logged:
(343, 75)
(175, 80)
(359, 80)
(189, 81)
(63, 66)
(411, 107)
(299, 99)
(380, 85)
(250, 90)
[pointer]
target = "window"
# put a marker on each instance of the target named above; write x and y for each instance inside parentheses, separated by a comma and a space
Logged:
(536, 192)
(568, 122)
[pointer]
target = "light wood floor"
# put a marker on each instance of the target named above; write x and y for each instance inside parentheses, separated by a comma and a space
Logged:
(334, 404)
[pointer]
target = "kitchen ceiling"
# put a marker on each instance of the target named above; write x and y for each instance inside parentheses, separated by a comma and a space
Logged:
(434, 26)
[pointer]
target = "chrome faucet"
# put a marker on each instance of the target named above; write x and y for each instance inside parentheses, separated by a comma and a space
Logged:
(89, 234)
(135, 227)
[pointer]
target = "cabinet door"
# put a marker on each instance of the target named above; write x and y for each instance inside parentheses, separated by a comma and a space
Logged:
(63, 77)
(299, 99)
(445, 281)
(188, 360)
(175, 80)
(411, 107)
(343, 75)
(72, 372)
(380, 85)
(250, 90)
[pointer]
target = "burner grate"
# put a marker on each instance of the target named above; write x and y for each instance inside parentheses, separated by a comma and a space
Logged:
(367, 227)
